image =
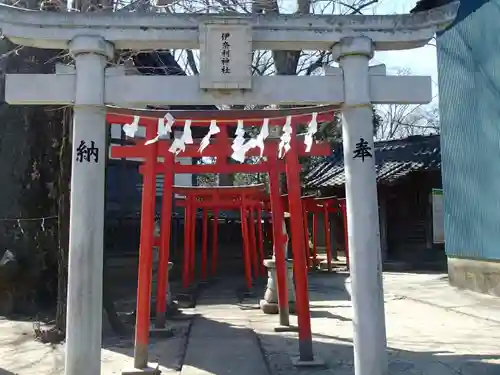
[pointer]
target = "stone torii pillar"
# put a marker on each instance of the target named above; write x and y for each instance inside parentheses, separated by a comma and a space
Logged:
(84, 303)
(370, 355)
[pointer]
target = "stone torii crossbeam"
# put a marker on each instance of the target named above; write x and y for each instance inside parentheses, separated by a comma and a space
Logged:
(90, 85)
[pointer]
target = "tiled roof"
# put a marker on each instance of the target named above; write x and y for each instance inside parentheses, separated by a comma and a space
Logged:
(394, 160)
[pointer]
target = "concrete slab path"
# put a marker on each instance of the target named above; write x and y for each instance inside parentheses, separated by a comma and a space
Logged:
(221, 341)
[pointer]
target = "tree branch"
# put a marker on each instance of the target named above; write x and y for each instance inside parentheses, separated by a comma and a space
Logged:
(358, 9)
(316, 64)
(192, 62)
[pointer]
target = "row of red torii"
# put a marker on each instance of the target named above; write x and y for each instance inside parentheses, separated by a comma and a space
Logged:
(252, 202)
(280, 155)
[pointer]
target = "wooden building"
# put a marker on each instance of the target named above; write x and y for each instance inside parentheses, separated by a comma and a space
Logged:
(407, 171)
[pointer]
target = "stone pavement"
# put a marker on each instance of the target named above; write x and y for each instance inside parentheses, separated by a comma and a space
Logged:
(221, 341)
(432, 329)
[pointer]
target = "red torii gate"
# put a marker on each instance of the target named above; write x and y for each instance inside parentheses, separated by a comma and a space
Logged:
(325, 206)
(220, 148)
(318, 205)
(245, 199)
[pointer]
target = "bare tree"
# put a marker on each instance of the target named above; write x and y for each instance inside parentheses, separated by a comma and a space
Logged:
(268, 62)
(404, 120)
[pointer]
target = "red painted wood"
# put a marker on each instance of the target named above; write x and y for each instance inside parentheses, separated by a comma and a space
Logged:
(278, 217)
(328, 242)
(204, 245)
(215, 245)
(228, 205)
(187, 257)
(260, 240)
(220, 191)
(253, 243)
(213, 168)
(166, 223)
(213, 150)
(267, 230)
(223, 118)
(192, 241)
(246, 250)
(307, 250)
(346, 230)
(220, 148)
(314, 239)
(299, 261)
(146, 253)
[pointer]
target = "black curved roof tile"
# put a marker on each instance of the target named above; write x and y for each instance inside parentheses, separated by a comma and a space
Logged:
(394, 160)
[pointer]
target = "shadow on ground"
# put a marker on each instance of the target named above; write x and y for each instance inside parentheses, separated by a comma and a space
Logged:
(230, 347)
(277, 352)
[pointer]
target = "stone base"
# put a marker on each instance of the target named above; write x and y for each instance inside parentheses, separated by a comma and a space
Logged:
(286, 329)
(186, 301)
(268, 308)
(476, 275)
(316, 362)
(152, 369)
(273, 308)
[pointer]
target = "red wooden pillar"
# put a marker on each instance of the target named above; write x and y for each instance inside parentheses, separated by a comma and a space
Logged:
(306, 237)
(346, 231)
(192, 239)
(278, 218)
(215, 228)
(145, 254)
(267, 228)
(328, 242)
(299, 261)
(204, 245)
(166, 223)
(246, 253)
(314, 239)
(187, 244)
(260, 240)
(253, 243)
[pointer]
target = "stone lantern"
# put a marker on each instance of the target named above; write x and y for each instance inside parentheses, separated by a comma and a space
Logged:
(269, 305)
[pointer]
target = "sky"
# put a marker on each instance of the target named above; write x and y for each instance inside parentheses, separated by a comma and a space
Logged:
(420, 61)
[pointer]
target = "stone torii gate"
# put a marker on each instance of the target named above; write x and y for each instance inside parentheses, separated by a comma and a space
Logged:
(90, 85)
